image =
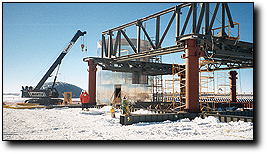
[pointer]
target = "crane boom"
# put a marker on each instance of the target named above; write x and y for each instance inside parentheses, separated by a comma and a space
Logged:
(59, 59)
(44, 96)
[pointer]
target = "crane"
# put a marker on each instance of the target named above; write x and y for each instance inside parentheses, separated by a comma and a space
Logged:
(48, 96)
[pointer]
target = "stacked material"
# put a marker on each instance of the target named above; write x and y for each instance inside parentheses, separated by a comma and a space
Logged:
(23, 106)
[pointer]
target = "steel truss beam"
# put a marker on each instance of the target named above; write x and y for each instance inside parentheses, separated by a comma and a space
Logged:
(153, 69)
(226, 53)
(145, 68)
(158, 39)
(150, 53)
(148, 17)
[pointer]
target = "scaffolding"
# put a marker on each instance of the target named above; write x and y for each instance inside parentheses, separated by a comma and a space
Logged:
(157, 83)
(178, 87)
(168, 90)
(223, 86)
(207, 85)
(181, 73)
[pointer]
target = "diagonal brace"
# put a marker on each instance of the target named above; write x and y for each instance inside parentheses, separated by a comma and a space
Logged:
(200, 18)
(229, 15)
(147, 36)
(128, 40)
(186, 20)
(167, 29)
(213, 17)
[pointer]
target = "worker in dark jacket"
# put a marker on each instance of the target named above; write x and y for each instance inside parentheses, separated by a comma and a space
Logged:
(84, 97)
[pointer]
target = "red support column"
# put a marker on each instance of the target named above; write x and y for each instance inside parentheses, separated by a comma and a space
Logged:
(92, 82)
(233, 86)
(192, 75)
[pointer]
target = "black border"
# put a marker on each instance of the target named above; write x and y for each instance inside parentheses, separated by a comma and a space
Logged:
(152, 143)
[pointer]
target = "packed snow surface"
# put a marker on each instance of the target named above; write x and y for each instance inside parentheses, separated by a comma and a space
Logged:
(142, 111)
(97, 124)
(13, 98)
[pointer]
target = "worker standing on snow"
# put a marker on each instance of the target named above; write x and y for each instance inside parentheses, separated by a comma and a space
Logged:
(125, 106)
(112, 112)
(84, 97)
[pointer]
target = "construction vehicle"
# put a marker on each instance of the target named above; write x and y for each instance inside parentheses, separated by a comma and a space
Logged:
(50, 95)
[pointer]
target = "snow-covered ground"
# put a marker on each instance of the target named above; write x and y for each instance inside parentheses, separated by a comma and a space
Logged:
(13, 98)
(97, 124)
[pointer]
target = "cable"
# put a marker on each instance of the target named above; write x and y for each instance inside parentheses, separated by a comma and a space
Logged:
(37, 76)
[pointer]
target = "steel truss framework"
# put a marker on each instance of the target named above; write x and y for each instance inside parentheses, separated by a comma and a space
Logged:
(145, 68)
(226, 52)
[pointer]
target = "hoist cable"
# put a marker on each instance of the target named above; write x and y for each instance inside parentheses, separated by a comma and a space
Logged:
(37, 76)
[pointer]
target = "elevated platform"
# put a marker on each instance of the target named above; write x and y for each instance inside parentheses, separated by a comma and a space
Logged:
(145, 68)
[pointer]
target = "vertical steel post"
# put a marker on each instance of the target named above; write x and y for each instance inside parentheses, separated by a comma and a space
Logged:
(207, 6)
(119, 45)
(192, 76)
(177, 30)
(194, 5)
(233, 85)
(116, 44)
(92, 82)
(103, 46)
(177, 25)
(157, 30)
(223, 20)
(138, 36)
(110, 44)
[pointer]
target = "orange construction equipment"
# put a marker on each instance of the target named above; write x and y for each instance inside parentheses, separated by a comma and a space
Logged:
(67, 98)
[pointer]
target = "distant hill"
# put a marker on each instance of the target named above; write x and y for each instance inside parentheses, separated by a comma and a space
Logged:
(65, 87)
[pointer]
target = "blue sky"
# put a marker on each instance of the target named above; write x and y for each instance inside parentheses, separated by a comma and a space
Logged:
(35, 33)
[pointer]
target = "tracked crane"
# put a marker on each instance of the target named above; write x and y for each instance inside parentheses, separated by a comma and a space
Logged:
(48, 96)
